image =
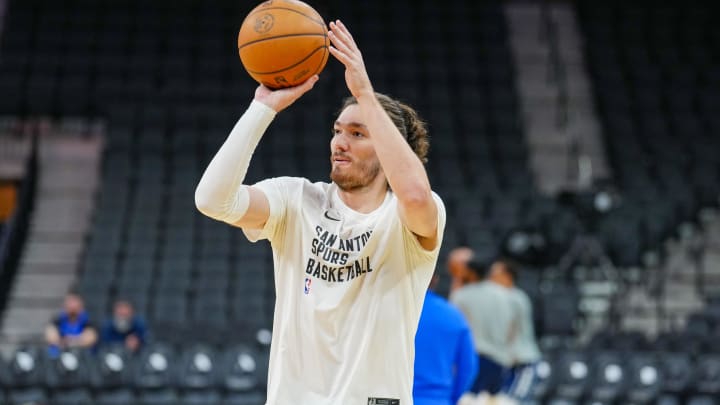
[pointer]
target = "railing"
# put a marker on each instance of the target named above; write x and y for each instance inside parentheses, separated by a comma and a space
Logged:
(13, 235)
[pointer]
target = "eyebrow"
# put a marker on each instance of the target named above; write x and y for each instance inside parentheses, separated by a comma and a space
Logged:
(351, 124)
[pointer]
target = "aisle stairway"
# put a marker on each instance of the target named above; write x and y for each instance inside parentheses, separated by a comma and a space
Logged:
(562, 130)
(68, 177)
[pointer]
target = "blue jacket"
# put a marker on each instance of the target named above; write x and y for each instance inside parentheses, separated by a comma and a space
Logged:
(445, 359)
(110, 335)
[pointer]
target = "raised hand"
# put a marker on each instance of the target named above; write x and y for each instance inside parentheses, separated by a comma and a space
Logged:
(347, 52)
(280, 99)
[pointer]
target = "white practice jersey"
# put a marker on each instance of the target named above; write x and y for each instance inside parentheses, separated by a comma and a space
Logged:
(350, 289)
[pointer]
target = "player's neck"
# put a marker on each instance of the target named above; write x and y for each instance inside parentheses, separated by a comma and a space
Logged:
(365, 199)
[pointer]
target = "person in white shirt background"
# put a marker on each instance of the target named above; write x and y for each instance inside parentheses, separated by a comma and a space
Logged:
(493, 316)
(520, 377)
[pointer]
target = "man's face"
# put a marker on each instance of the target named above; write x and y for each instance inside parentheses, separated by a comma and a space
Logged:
(73, 305)
(352, 155)
(123, 310)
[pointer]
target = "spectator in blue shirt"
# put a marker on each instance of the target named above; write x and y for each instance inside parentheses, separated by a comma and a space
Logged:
(124, 327)
(445, 359)
(71, 328)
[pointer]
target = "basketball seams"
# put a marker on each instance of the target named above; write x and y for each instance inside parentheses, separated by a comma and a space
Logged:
(281, 36)
(313, 19)
(313, 52)
(323, 61)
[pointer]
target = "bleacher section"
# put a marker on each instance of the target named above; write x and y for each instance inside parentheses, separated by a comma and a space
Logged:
(656, 75)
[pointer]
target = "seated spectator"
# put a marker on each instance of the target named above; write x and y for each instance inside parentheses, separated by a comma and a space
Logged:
(124, 327)
(71, 328)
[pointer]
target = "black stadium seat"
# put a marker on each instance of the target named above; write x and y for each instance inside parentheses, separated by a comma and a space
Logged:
(678, 372)
(610, 377)
(156, 370)
(244, 371)
(574, 376)
(707, 375)
(645, 379)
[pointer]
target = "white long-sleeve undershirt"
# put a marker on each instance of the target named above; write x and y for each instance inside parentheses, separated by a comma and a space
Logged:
(221, 194)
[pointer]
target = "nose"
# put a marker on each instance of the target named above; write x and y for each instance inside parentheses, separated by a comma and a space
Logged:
(339, 142)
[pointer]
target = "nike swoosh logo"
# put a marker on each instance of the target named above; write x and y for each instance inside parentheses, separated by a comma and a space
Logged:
(330, 218)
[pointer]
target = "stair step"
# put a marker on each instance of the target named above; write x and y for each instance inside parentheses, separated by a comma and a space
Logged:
(54, 250)
(49, 302)
(72, 236)
(40, 285)
(26, 320)
(48, 268)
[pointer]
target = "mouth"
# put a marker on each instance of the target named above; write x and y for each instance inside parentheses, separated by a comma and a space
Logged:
(338, 160)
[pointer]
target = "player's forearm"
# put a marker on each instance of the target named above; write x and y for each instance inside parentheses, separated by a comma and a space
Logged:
(220, 193)
(403, 169)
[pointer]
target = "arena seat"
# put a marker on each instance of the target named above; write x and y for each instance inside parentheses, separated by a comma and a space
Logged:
(707, 375)
(573, 371)
(113, 368)
(609, 378)
(678, 372)
(646, 379)
(155, 375)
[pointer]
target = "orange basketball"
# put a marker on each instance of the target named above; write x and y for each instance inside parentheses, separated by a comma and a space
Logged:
(282, 43)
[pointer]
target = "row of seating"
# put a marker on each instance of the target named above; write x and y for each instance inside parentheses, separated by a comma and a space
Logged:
(627, 378)
(159, 375)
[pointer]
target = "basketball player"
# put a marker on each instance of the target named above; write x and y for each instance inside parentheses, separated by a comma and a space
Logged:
(352, 258)
(521, 377)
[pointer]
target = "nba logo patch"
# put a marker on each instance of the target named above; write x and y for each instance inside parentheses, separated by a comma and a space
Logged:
(308, 281)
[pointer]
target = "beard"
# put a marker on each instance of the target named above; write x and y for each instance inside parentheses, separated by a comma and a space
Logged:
(358, 177)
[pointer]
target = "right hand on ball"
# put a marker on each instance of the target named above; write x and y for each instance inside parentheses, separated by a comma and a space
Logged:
(281, 99)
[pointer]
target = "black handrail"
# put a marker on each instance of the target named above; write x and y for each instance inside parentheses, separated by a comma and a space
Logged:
(13, 238)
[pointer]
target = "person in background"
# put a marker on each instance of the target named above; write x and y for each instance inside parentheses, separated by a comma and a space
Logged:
(457, 265)
(521, 376)
(445, 360)
(124, 327)
(491, 313)
(71, 328)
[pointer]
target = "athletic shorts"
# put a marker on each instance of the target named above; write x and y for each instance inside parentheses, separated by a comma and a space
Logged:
(489, 377)
(519, 381)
